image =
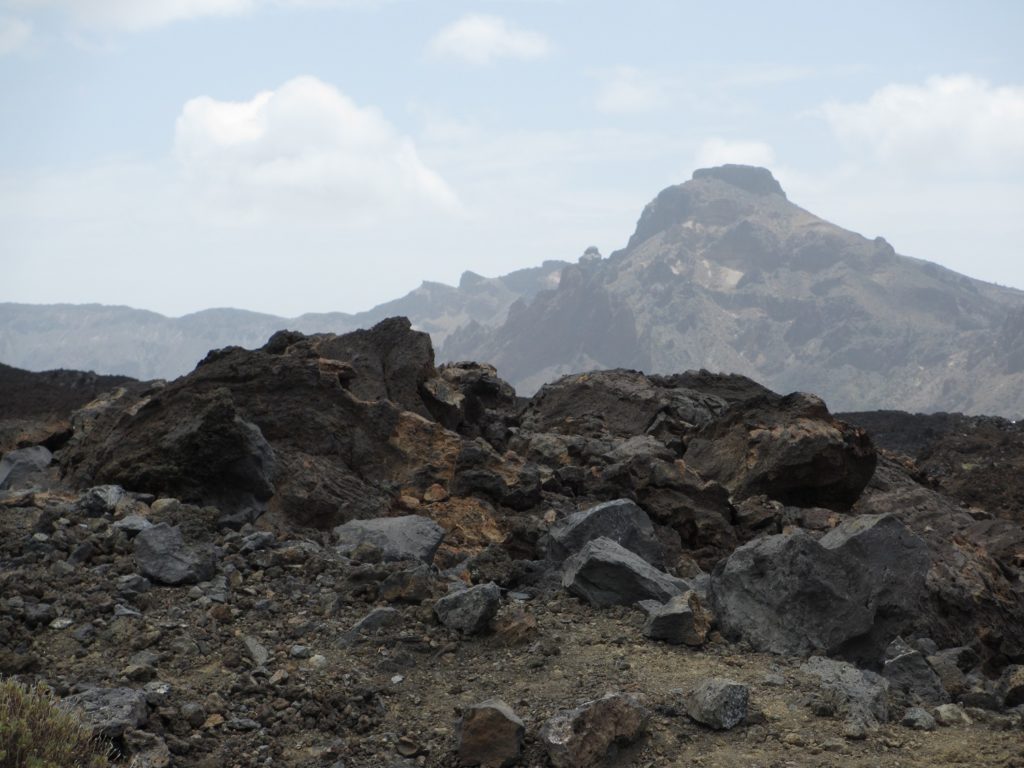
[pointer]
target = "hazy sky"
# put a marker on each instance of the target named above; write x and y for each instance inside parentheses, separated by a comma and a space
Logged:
(314, 155)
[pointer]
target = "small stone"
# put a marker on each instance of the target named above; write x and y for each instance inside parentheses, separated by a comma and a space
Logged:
(408, 586)
(490, 735)
(718, 703)
(317, 661)
(682, 620)
(918, 719)
(469, 610)
(948, 715)
(581, 737)
(299, 652)
(256, 651)
(193, 713)
(435, 493)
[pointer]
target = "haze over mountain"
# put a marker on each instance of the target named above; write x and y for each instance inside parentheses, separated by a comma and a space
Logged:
(723, 272)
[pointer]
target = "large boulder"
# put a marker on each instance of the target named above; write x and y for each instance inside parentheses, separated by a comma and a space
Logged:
(410, 537)
(469, 611)
(22, 467)
(620, 520)
(787, 448)
(109, 712)
(605, 573)
(792, 594)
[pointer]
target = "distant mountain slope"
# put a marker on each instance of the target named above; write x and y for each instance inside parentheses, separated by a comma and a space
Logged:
(147, 345)
(723, 272)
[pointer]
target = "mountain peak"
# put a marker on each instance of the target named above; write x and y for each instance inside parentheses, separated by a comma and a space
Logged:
(750, 178)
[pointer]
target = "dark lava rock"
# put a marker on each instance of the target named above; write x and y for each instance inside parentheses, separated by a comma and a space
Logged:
(1011, 685)
(682, 620)
(409, 586)
(790, 593)
(162, 556)
(411, 537)
(99, 500)
(910, 676)
(469, 610)
(21, 468)
(859, 695)
(718, 703)
(490, 734)
(620, 520)
(605, 573)
(109, 712)
(787, 448)
(581, 737)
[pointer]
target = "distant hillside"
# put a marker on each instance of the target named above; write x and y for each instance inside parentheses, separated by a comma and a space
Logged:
(723, 272)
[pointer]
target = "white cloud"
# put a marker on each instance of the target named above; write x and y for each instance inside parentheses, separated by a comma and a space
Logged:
(136, 15)
(14, 34)
(719, 151)
(626, 89)
(483, 39)
(961, 123)
(304, 146)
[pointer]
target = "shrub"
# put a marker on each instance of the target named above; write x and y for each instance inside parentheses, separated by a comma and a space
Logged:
(34, 733)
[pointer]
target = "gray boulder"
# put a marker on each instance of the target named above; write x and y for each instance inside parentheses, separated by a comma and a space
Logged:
(718, 703)
(132, 525)
(411, 537)
(792, 594)
(581, 737)
(620, 520)
(109, 712)
(918, 719)
(19, 468)
(605, 573)
(469, 610)
(682, 620)
(162, 556)
(859, 695)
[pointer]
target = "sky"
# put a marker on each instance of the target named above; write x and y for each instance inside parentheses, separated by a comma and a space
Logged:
(292, 156)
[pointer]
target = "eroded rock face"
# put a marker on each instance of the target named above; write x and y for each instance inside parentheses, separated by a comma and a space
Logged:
(581, 737)
(789, 449)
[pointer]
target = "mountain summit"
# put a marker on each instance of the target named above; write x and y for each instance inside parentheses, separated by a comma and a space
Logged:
(722, 272)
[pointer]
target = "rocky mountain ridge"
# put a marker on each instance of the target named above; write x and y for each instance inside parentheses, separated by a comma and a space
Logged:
(723, 272)
(330, 551)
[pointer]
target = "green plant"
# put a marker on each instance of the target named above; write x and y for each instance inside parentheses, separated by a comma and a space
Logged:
(35, 733)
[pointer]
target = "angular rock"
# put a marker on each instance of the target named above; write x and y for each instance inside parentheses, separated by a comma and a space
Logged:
(132, 525)
(790, 593)
(409, 586)
(718, 703)
(682, 620)
(18, 468)
(411, 537)
(945, 664)
(581, 737)
(162, 556)
(469, 610)
(99, 500)
(109, 712)
(620, 520)
(147, 750)
(490, 735)
(910, 677)
(948, 715)
(857, 694)
(605, 573)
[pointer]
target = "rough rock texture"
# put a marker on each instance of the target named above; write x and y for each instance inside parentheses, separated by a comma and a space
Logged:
(20, 468)
(682, 620)
(109, 712)
(162, 555)
(490, 735)
(790, 593)
(471, 610)
(620, 520)
(911, 677)
(718, 703)
(789, 449)
(410, 537)
(581, 737)
(857, 694)
(605, 573)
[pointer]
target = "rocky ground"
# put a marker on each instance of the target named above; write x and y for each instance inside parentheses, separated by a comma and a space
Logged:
(329, 552)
